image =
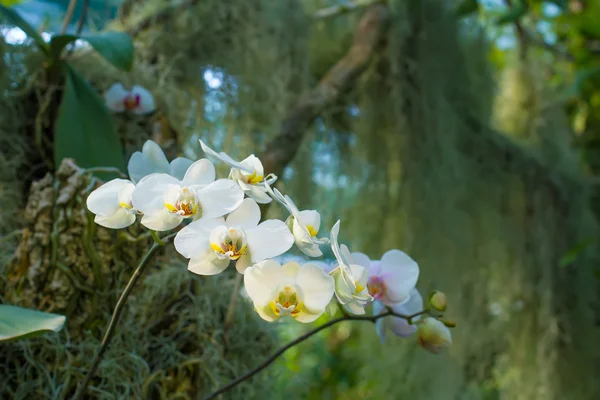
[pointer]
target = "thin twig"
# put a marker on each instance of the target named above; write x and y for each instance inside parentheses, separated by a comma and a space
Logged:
(117, 314)
(83, 17)
(68, 16)
(300, 339)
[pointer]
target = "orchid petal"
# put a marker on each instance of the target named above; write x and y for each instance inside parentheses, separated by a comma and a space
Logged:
(146, 104)
(179, 167)
(193, 240)
(105, 200)
(269, 239)
(115, 96)
(148, 194)
(118, 220)
(202, 172)
(246, 216)
(316, 286)
(219, 198)
(161, 221)
(208, 264)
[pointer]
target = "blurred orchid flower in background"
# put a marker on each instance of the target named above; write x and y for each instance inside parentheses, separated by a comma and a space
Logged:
(137, 100)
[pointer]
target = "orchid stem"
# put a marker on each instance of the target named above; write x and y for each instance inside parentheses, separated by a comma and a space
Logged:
(157, 238)
(302, 338)
(110, 330)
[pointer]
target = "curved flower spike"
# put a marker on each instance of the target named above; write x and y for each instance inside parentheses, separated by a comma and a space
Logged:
(399, 326)
(350, 278)
(137, 100)
(248, 173)
(112, 205)
(211, 243)
(152, 160)
(301, 292)
(391, 279)
(303, 224)
(166, 201)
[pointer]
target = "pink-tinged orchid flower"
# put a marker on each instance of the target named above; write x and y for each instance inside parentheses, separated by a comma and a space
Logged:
(392, 278)
(137, 100)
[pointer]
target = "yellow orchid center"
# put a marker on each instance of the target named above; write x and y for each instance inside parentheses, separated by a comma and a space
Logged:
(254, 179)
(185, 203)
(286, 302)
(232, 245)
(311, 229)
(127, 206)
(359, 287)
(376, 287)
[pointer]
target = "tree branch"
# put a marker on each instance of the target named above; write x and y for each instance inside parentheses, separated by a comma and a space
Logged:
(369, 33)
(302, 338)
(340, 9)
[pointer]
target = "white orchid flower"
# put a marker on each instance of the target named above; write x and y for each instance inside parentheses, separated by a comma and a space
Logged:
(152, 160)
(301, 292)
(166, 201)
(399, 326)
(112, 204)
(211, 243)
(303, 224)
(137, 100)
(350, 277)
(248, 173)
(391, 279)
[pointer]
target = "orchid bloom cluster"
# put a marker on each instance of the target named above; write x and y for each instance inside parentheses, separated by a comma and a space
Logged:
(222, 221)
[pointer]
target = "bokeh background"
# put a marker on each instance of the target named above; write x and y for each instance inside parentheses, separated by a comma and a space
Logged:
(466, 133)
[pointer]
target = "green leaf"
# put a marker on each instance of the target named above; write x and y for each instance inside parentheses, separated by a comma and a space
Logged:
(513, 14)
(10, 3)
(115, 47)
(20, 323)
(15, 19)
(58, 44)
(466, 7)
(84, 128)
(573, 254)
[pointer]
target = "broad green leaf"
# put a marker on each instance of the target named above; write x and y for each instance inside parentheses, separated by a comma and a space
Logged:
(466, 7)
(58, 44)
(115, 47)
(15, 19)
(84, 128)
(513, 14)
(20, 323)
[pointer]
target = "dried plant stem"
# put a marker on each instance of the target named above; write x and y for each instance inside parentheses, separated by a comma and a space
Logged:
(108, 335)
